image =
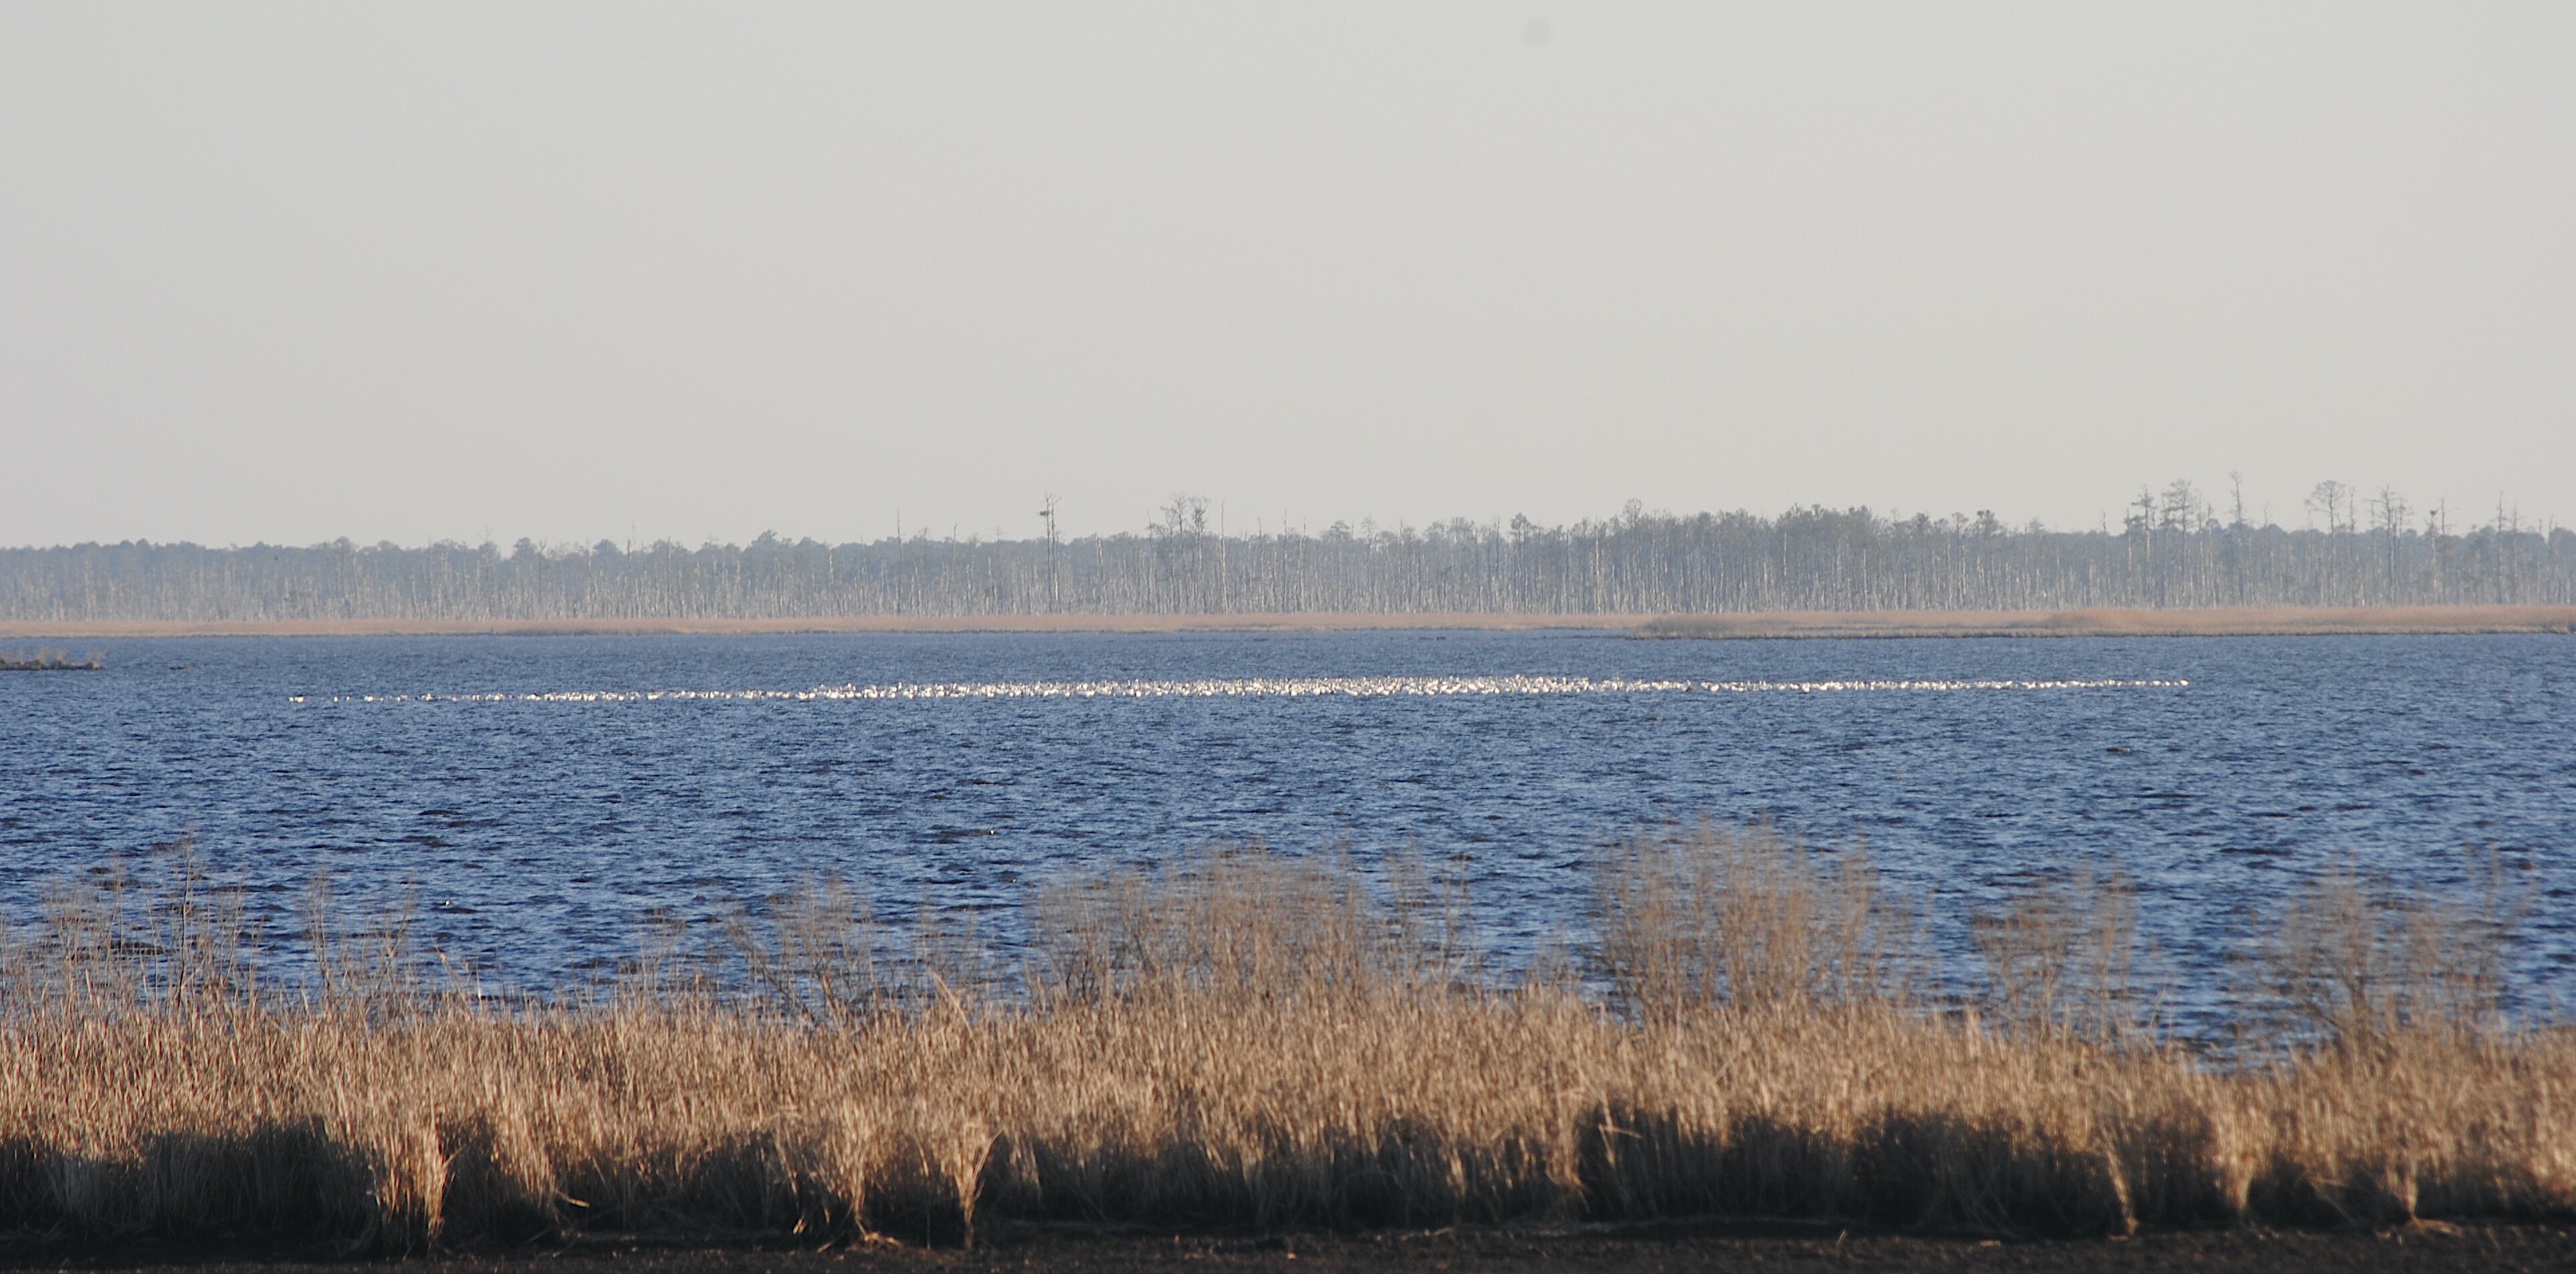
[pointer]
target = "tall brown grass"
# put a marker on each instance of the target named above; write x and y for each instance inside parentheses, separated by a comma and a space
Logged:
(1253, 1040)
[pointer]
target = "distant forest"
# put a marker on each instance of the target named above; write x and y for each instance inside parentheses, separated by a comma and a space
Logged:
(2172, 549)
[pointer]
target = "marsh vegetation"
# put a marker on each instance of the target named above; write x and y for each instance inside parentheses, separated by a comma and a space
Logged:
(1247, 1039)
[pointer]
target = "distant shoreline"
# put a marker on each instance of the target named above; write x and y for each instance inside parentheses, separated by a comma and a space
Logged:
(2264, 621)
(2282, 621)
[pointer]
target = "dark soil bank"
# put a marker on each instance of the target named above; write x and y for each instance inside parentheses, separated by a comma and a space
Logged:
(2499, 1247)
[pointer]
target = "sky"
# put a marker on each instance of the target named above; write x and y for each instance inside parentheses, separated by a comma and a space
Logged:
(634, 271)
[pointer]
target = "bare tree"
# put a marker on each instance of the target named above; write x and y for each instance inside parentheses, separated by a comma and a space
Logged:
(1046, 514)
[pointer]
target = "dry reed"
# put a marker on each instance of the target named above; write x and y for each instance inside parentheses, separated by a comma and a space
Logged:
(1253, 1040)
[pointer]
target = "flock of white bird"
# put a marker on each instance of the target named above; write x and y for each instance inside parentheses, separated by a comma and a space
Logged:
(1259, 688)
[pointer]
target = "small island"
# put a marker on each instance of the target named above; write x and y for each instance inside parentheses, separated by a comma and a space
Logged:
(52, 661)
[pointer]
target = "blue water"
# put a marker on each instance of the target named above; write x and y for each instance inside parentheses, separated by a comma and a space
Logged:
(532, 834)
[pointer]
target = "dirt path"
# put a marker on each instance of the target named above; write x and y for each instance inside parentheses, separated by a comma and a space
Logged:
(2256, 1252)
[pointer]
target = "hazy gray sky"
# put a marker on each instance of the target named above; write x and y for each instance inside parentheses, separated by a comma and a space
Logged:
(571, 272)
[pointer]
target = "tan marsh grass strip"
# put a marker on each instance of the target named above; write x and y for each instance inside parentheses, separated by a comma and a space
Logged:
(1294, 622)
(1253, 1040)
(2266, 621)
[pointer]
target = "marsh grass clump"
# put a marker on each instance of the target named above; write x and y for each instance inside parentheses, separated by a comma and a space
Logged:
(2355, 962)
(1713, 916)
(2060, 958)
(1253, 1039)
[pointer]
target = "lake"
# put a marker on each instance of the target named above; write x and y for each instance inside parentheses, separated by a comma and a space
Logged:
(535, 796)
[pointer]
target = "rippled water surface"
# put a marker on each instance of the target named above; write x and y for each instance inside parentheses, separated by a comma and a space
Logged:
(537, 794)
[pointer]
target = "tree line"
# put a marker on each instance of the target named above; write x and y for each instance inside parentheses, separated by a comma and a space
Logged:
(2172, 549)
